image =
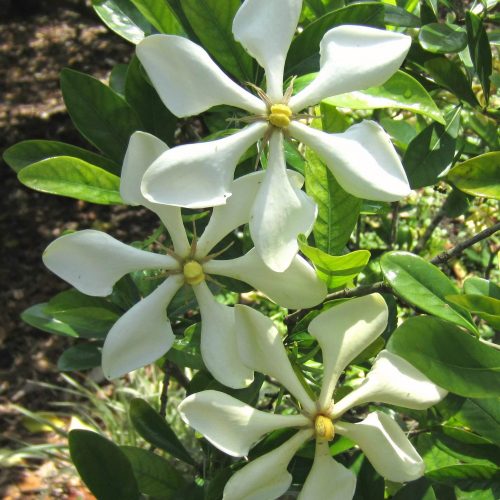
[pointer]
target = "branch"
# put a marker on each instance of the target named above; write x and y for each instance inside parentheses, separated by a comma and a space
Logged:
(428, 232)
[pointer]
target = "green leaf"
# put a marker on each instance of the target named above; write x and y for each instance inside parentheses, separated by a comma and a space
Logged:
(66, 176)
(335, 271)
(117, 78)
(154, 475)
(480, 52)
(212, 21)
(442, 38)
(25, 153)
(155, 429)
(400, 91)
(486, 308)
(450, 357)
(423, 285)
(103, 466)
(123, 18)
(160, 15)
(481, 286)
(79, 357)
(431, 151)
(144, 99)
(91, 317)
(416, 490)
(37, 317)
(101, 115)
(479, 176)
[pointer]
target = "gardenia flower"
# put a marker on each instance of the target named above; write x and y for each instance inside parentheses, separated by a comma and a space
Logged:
(234, 427)
(93, 261)
(362, 159)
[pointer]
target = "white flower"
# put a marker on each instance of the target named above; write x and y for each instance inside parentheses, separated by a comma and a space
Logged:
(342, 332)
(93, 261)
(362, 159)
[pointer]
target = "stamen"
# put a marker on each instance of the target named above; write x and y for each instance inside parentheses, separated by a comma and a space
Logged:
(280, 115)
(193, 272)
(289, 90)
(323, 427)
(216, 254)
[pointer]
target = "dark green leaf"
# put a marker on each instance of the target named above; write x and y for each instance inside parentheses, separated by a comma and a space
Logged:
(103, 466)
(450, 357)
(155, 429)
(38, 318)
(154, 475)
(421, 489)
(479, 176)
(456, 204)
(66, 176)
(442, 38)
(432, 151)
(160, 15)
(482, 287)
(117, 78)
(397, 16)
(101, 115)
(423, 285)
(483, 417)
(486, 308)
(212, 22)
(79, 357)
(25, 153)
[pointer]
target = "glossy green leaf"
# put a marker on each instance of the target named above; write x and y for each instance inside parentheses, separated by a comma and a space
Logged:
(36, 317)
(25, 153)
(479, 176)
(117, 78)
(79, 357)
(212, 21)
(103, 466)
(423, 285)
(400, 91)
(486, 308)
(66, 176)
(160, 15)
(155, 429)
(442, 38)
(335, 271)
(144, 99)
(481, 286)
(421, 489)
(123, 18)
(450, 357)
(155, 476)
(101, 115)
(431, 152)
(479, 49)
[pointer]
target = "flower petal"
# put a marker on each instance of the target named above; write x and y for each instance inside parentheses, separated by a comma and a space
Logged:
(328, 478)
(392, 380)
(362, 159)
(353, 58)
(386, 447)
(343, 332)
(199, 175)
(280, 212)
(93, 261)
(266, 477)
(188, 80)
(265, 29)
(218, 341)
(143, 334)
(230, 425)
(297, 287)
(261, 348)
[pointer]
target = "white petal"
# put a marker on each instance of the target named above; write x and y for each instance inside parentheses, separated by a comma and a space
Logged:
(266, 477)
(187, 79)
(143, 334)
(93, 261)
(199, 175)
(353, 58)
(386, 447)
(297, 287)
(261, 348)
(218, 341)
(362, 159)
(328, 478)
(280, 212)
(392, 380)
(265, 29)
(230, 425)
(343, 332)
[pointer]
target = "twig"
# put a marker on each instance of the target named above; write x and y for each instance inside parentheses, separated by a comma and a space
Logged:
(167, 369)
(394, 224)
(428, 232)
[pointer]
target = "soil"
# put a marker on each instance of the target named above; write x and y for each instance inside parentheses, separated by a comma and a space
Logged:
(37, 39)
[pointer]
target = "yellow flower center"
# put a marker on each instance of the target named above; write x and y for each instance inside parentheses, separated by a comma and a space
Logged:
(193, 272)
(323, 427)
(280, 115)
